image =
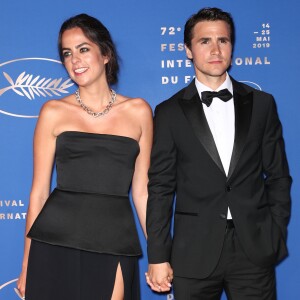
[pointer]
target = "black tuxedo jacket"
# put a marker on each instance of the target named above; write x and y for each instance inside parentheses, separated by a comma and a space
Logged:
(185, 162)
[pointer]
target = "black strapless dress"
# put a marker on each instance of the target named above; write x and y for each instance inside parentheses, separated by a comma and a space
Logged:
(86, 228)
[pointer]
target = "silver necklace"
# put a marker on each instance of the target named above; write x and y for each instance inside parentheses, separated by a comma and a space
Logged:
(100, 113)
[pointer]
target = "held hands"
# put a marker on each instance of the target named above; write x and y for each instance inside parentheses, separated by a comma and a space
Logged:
(159, 277)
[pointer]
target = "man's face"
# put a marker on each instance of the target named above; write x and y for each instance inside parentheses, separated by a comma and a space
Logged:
(210, 51)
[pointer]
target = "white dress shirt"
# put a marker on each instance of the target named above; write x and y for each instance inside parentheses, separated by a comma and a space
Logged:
(221, 120)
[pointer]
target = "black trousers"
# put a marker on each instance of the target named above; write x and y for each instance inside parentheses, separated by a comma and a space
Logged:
(239, 277)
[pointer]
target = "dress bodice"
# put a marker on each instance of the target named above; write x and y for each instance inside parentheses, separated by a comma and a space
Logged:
(96, 163)
(90, 208)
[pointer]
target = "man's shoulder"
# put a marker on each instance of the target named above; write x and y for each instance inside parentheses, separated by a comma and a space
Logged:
(173, 100)
(245, 88)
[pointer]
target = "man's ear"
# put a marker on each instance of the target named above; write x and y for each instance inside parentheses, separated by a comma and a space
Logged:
(188, 52)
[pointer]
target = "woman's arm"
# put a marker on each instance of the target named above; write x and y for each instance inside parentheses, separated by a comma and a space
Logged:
(140, 177)
(43, 157)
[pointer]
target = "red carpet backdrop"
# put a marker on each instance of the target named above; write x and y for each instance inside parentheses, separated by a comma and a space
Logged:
(149, 39)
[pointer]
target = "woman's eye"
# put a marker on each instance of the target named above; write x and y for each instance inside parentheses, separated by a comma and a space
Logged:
(84, 50)
(66, 53)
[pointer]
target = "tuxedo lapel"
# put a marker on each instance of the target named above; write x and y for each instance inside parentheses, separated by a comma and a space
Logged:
(243, 102)
(193, 110)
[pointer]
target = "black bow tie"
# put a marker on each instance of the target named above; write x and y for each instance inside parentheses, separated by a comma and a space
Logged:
(207, 97)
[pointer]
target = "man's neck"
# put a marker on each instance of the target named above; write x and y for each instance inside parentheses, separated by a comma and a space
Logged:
(212, 82)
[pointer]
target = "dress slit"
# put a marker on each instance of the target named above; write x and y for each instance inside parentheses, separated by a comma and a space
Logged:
(62, 273)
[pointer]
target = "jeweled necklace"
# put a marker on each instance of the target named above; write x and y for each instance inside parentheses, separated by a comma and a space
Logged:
(100, 113)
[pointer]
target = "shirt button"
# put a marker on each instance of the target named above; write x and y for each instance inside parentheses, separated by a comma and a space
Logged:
(228, 188)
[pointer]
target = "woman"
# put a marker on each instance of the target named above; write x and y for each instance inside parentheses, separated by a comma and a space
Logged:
(82, 238)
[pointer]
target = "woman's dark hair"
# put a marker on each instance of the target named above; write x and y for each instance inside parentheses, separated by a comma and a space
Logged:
(95, 31)
(207, 14)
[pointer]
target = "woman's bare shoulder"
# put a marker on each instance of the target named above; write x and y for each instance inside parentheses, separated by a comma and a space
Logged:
(136, 105)
(57, 105)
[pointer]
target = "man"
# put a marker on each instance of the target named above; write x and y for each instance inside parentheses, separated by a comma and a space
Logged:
(223, 156)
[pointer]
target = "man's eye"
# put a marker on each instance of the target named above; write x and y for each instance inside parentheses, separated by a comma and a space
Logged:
(224, 41)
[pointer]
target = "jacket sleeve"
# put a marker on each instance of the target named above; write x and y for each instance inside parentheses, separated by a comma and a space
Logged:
(161, 189)
(276, 170)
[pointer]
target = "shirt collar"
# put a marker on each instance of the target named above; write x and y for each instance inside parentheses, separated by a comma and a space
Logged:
(227, 84)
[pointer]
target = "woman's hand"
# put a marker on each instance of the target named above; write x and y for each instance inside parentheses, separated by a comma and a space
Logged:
(21, 284)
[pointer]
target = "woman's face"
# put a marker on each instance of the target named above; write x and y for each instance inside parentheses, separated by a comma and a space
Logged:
(82, 58)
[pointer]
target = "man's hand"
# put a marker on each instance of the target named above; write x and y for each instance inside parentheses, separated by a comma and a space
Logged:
(159, 277)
